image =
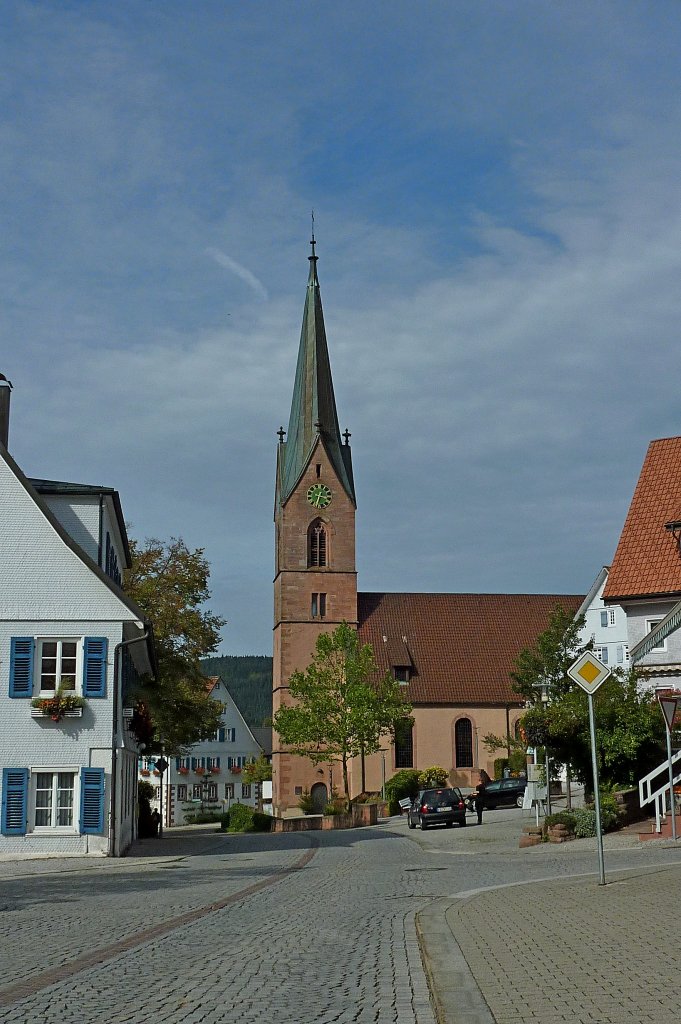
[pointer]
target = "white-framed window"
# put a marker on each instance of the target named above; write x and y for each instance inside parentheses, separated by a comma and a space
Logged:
(650, 625)
(53, 800)
(604, 617)
(401, 673)
(612, 616)
(245, 791)
(229, 791)
(59, 662)
(212, 793)
(182, 791)
(196, 791)
(602, 653)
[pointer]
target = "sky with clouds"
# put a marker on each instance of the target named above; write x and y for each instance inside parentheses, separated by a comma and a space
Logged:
(497, 194)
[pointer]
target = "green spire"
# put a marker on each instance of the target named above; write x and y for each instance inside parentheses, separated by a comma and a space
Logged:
(313, 409)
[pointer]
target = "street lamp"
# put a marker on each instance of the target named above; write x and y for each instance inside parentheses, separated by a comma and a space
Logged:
(543, 688)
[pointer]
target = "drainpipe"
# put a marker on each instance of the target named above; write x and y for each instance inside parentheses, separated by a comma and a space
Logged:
(5, 389)
(118, 689)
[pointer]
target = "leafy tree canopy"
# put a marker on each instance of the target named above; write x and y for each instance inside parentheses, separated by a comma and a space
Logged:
(551, 656)
(170, 584)
(257, 771)
(337, 711)
(629, 730)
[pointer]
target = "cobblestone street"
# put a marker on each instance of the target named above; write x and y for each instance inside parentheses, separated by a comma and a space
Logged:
(304, 929)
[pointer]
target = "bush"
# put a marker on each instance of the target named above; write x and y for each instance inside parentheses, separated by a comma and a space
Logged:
(610, 812)
(242, 818)
(500, 765)
(203, 817)
(517, 762)
(404, 783)
(433, 776)
(585, 822)
(306, 803)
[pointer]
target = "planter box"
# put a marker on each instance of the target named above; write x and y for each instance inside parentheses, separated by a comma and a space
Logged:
(39, 713)
(334, 821)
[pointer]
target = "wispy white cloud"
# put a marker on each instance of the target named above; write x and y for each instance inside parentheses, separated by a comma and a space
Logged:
(241, 272)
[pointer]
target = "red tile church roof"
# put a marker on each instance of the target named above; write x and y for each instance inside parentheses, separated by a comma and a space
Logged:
(462, 646)
(647, 561)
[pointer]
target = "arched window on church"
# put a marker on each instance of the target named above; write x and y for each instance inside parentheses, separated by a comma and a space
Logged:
(317, 544)
(463, 743)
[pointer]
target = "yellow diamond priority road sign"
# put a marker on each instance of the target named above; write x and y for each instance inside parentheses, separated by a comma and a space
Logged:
(588, 672)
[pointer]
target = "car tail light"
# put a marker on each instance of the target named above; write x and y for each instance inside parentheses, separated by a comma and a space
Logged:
(424, 809)
(461, 803)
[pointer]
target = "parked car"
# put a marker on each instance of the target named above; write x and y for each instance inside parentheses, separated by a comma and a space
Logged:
(504, 793)
(437, 807)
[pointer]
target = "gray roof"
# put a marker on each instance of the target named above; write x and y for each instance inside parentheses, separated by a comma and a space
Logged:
(313, 408)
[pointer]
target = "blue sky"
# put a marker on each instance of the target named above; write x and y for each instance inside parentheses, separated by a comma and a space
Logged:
(497, 192)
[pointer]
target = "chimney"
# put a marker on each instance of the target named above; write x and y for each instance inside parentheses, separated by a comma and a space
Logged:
(5, 389)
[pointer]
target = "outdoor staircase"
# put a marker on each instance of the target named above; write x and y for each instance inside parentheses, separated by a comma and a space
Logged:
(654, 789)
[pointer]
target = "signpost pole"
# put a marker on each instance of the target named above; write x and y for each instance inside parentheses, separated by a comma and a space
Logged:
(671, 781)
(597, 798)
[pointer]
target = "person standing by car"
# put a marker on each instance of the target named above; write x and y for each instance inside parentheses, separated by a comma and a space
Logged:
(479, 799)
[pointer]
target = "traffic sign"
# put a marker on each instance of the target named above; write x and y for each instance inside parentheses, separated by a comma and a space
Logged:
(588, 672)
(668, 706)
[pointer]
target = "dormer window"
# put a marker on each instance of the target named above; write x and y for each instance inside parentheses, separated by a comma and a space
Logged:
(402, 674)
(317, 547)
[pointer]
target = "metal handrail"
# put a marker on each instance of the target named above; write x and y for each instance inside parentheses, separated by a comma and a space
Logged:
(647, 795)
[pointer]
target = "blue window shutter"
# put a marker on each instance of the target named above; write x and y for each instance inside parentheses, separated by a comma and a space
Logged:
(203, 762)
(91, 800)
(194, 763)
(221, 735)
(178, 763)
(94, 668)
(14, 800)
(232, 735)
(21, 666)
(217, 762)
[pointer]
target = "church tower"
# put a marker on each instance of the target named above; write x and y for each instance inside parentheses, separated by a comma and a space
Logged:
(315, 582)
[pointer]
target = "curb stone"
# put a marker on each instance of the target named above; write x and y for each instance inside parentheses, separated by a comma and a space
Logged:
(453, 989)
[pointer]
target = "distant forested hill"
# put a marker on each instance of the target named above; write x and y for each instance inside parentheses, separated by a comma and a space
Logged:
(249, 679)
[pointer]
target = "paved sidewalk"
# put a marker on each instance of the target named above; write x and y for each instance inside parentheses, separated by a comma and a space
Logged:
(558, 951)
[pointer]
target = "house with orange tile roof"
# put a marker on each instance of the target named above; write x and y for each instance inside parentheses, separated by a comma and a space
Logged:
(451, 653)
(645, 576)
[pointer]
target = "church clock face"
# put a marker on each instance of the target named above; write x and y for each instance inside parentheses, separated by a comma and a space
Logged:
(319, 495)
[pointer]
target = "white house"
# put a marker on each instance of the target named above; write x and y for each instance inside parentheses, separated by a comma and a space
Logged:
(209, 775)
(68, 780)
(605, 624)
(645, 576)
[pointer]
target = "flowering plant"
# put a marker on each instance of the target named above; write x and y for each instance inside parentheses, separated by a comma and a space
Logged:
(64, 700)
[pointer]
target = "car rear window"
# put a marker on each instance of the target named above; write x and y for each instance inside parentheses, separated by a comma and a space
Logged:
(438, 797)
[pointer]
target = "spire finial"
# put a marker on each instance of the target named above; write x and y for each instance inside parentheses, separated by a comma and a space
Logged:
(313, 241)
(281, 434)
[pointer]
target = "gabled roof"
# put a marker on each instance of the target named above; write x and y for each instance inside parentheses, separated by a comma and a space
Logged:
(313, 408)
(63, 487)
(593, 591)
(462, 646)
(647, 561)
(65, 536)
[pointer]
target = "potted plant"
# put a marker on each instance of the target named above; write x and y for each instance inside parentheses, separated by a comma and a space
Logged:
(183, 770)
(215, 769)
(144, 771)
(236, 770)
(65, 702)
(200, 770)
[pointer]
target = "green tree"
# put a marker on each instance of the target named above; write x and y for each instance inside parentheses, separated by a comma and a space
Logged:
(339, 711)
(170, 583)
(550, 657)
(629, 730)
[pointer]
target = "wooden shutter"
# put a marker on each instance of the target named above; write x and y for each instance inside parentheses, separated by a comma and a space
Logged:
(94, 667)
(91, 801)
(21, 666)
(14, 800)
(221, 735)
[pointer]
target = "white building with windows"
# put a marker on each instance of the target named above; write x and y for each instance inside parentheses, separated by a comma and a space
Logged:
(70, 643)
(605, 624)
(208, 777)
